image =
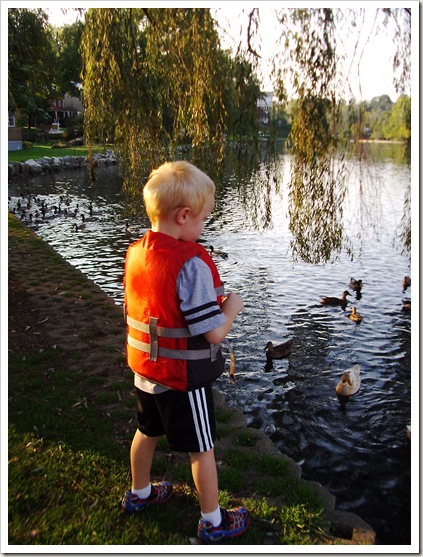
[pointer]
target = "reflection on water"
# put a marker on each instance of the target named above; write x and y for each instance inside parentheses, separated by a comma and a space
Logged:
(358, 449)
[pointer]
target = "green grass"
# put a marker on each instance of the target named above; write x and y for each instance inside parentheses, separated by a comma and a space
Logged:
(41, 150)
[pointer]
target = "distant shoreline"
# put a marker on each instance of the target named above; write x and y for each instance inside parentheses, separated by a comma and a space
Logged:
(390, 141)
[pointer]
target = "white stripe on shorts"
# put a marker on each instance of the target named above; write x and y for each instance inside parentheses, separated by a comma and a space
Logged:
(200, 416)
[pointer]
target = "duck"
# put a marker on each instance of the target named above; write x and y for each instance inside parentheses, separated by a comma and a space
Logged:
(356, 285)
(76, 226)
(212, 251)
(350, 382)
(406, 304)
(280, 351)
(406, 282)
(408, 430)
(129, 228)
(354, 315)
(332, 301)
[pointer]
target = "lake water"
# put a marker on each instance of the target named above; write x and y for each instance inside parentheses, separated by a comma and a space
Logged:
(357, 449)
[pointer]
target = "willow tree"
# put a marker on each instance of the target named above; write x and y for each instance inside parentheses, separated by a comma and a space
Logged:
(152, 79)
(317, 185)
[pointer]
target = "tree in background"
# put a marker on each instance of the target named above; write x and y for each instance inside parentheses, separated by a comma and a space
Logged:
(31, 64)
(399, 125)
(68, 65)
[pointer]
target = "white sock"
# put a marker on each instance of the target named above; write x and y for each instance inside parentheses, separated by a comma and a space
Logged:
(215, 517)
(143, 493)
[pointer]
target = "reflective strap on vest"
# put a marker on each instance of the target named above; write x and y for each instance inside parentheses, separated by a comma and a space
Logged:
(176, 354)
(161, 331)
(220, 290)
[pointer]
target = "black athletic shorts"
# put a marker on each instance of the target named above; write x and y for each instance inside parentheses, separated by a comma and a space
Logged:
(186, 418)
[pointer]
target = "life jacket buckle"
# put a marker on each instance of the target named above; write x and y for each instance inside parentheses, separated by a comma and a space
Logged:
(154, 339)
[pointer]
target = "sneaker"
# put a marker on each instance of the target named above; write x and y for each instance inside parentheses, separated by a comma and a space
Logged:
(234, 523)
(160, 493)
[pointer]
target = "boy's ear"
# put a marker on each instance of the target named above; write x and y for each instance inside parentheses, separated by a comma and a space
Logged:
(182, 214)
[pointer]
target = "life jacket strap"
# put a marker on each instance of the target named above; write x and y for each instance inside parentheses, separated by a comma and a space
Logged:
(220, 290)
(161, 331)
(207, 353)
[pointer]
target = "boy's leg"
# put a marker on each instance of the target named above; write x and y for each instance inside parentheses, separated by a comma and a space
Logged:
(228, 523)
(135, 500)
(142, 452)
(204, 473)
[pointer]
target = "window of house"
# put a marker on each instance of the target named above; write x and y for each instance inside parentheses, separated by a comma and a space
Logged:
(11, 121)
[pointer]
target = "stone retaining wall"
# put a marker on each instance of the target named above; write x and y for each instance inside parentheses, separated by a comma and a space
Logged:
(49, 165)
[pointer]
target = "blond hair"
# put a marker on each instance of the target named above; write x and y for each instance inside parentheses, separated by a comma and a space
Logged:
(176, 184)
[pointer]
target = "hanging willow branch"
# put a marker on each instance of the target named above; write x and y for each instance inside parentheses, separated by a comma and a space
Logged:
(152, 79)
(317, 185)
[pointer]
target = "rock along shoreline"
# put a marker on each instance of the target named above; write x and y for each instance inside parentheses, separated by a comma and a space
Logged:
(50, 165)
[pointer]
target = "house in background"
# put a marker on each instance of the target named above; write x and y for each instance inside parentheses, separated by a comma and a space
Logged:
(264, 107)
(14, 135)
(62, 109)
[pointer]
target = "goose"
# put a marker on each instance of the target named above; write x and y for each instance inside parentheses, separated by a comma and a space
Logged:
(212, 251)
(280, 351)
(350, 382)
(356, 285)
(332, 301)
(354, 315)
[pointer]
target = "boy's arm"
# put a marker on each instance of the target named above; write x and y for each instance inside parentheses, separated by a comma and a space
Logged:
(230, 307)
(196, 291)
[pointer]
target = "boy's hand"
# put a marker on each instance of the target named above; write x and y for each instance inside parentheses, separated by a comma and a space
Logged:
(231, 305)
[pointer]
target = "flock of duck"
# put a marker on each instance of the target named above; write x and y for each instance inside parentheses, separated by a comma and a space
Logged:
(350, 382)
(34, 210)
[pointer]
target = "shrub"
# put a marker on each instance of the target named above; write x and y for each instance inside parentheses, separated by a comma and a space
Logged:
(35, 135)
(26, 145)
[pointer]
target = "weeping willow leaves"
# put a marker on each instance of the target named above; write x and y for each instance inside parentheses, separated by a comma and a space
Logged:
(317, 185)
(402, 38)
(152, 78)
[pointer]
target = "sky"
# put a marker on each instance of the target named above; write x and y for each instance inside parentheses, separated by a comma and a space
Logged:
(376, 75)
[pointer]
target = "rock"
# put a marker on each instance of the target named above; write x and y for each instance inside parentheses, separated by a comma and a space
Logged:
(34, 167)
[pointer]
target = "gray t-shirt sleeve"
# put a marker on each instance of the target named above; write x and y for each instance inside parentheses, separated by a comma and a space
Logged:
(198, 297)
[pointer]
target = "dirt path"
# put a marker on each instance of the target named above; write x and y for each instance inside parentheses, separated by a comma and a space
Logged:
(53, 305)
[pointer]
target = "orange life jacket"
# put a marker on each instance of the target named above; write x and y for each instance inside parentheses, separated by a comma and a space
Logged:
(159, 345)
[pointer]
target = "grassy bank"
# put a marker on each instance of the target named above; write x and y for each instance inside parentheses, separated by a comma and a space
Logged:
(71, 421)
(38, 151)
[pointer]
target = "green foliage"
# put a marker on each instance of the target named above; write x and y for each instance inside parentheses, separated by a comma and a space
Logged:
(275, 466)
(152, 77)
(246, 439)
(68, 58)
(30, 62)
(399, 126)
(158, 81)
(301, 526)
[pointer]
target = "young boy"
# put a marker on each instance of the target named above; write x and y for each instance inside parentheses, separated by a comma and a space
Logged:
(176, 317)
